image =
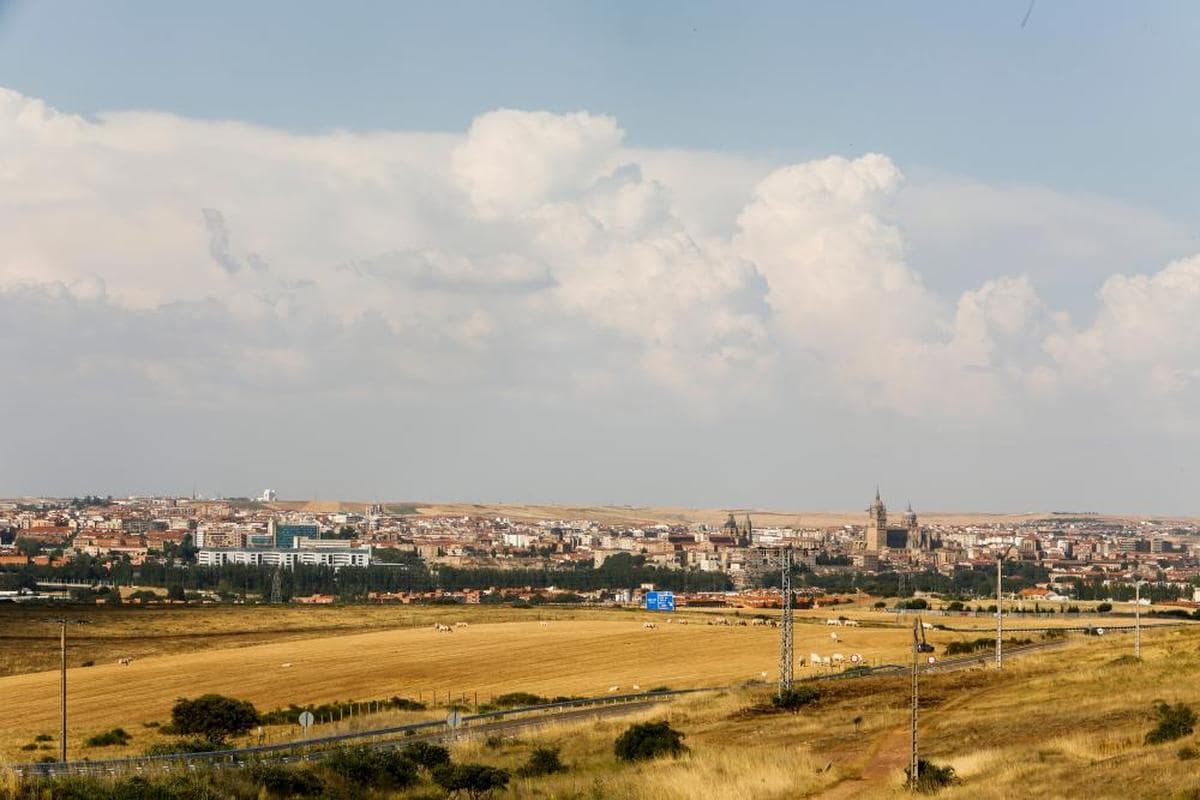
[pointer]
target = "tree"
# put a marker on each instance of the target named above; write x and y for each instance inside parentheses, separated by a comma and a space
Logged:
(473, 780)
(796, 697)
(426, 754)
(175, 592)
(646, 740)
(213, 716)
(28, 547)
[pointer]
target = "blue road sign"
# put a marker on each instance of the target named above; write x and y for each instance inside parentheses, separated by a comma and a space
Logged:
(660, 601)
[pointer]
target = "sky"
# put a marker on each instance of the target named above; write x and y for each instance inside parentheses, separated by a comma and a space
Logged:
(670, 254)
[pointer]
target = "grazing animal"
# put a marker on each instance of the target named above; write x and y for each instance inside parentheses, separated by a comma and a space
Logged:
(833, 636)
(683, 622)
(740, 622)
(124, 662)
(815, 658)
(544, 624)
(440, 628)
(636, 687)
(852, 623)
(460, 624)
(649, 626)
(758, 621)
(926, 626)
(832, 622)
(614, 688)
(285, 665)
(838, 658)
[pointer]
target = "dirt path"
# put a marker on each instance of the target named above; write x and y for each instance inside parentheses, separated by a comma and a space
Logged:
(890, 755)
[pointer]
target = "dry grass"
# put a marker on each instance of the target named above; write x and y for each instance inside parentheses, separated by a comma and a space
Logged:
(565, 657)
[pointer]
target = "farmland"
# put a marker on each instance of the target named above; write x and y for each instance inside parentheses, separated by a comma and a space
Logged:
(567, 652)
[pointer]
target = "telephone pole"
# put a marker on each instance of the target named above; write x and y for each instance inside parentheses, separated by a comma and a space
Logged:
(785, 627)
(914, 764)
(62, 695)
(1137, 619)
(1000, 607)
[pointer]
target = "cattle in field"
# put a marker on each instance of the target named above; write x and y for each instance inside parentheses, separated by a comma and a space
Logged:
(124, 662)
(544, 624)
(285, 665)
(837, 658)
(440, 628)
(460, 624)
(851, 623)
(833, 622)
(614, 688)
(758, 621)
(649, 626)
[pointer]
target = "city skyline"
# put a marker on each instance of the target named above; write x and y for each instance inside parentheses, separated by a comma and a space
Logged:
(663, 266)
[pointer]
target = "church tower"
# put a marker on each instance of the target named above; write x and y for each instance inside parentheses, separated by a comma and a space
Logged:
(877, 525)
(913, 530)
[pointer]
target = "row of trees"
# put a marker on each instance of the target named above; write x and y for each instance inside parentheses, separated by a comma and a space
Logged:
(405, 572)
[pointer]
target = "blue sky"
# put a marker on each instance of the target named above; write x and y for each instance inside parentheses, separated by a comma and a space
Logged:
(617, 252)
(1094, 96)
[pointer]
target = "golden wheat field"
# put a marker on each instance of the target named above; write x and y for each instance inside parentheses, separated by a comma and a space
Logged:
(583, 656)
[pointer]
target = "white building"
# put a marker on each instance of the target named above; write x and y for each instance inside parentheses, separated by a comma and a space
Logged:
(336, 558)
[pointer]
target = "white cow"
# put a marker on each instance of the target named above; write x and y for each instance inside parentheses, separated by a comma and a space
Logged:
(124, 662)
(460, 624)
(440, 628)
(833, 622)
(851, 623)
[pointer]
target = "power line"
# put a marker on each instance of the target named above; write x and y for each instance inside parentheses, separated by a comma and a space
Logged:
(785, 628)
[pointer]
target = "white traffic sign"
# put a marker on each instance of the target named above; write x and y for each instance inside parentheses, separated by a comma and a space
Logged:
(305, 720)
(931, 660)
(854, 659)
(1099, 631)
(454, 718)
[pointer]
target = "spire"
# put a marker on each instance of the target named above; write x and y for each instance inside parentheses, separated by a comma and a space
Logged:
(877, 498)
(910, 506)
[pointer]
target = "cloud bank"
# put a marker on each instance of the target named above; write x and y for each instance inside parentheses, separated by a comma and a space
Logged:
(536, 260)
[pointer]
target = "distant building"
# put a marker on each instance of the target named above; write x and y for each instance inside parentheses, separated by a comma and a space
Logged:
(268, 496)
(336, 558)
(286, 533)
(880, 538)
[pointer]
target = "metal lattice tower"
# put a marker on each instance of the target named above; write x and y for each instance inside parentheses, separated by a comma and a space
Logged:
(785, 624)
(902, 589)
(277, 586)
(914, 765)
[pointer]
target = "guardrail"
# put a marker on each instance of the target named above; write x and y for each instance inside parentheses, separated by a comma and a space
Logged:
(241, 755)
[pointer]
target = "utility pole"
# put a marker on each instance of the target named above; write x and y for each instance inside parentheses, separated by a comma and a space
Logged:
(914, 764)
(1000, 607)
(1137, 619)
(785, 627)
(62, 651)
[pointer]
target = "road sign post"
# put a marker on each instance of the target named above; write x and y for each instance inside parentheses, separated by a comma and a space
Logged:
(306, 720)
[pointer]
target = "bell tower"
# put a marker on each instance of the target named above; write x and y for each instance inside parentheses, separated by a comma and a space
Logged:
(877, 525)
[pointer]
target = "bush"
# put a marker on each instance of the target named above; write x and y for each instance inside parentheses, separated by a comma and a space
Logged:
(285, 782)
(796, 697)
(185, 746)
(542, 761)
(880, 604)
(426, 754)
(514, 699)
(1104, 608)
(1188, 753)
(115, 737)
(213, 716)
(1174, 722)
(43, 737)
(475, 780)
(916, 603)
(646, 740)
(376, 768)
(931, 777)
(956, 605)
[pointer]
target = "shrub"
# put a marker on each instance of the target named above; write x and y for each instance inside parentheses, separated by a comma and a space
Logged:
(956, 605)
(474, 780)
(117, 737)
(880, 604)
(376, 768)
(542, 761)
(514, 699)
(796, 697)
(646, 740)
(88, 663)
(1188, 753)
(914, 603)
(1104, 608)
(213, 716)
(29, 746)
(1174, 722)
(185, 746)
(426, 754)
(930, 776)
(43, 737)
(288, 782)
